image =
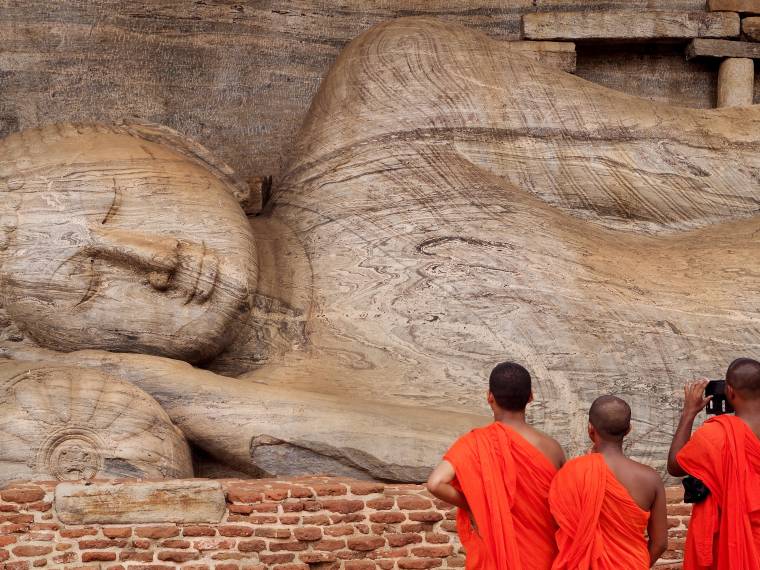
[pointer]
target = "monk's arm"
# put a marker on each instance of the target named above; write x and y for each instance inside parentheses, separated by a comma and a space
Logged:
(439, 484)
(658, 523)
(694, 402)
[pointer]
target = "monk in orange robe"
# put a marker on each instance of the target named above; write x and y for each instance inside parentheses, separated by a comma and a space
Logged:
(724, 531)
(605, 503)
(499, 477)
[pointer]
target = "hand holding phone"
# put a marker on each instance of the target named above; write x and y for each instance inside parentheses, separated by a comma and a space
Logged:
(718, 404)
(694, 397)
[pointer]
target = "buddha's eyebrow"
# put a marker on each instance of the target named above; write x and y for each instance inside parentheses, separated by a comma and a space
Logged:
(115, 203)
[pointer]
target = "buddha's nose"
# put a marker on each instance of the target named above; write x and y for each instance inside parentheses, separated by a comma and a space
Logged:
(158, 256)
(168, 262)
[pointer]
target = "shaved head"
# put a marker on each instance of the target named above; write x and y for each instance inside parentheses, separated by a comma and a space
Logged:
(510, 385)
(743, 375)
(611, 417)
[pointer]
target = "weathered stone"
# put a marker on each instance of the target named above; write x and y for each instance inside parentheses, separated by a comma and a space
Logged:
(751, 28)
(190, 501)
(555, 54)
(736, 81)
(83, 424)
(746, 6)
(238, 77)
(722, 48)
(629, 25)
(124, 276)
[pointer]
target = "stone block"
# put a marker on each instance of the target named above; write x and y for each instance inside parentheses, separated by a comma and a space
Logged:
(722, 48)
(181, 501)
(629, 25)
(751, 28)
(745, 6)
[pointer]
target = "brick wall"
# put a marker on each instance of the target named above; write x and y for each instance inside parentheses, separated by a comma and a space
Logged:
(294, 524)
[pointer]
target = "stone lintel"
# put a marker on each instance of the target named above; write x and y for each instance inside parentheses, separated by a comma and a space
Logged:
(744, 6)
(179, 501)
(629, 25)
(722, 48)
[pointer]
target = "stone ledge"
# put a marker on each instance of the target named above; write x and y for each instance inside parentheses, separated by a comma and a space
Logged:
(744, 6)
(722, 48)
(629, 25)
(184, 501)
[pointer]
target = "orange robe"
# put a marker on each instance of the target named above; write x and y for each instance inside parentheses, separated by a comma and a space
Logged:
(725, 454)
(506, 482)
(600, 526)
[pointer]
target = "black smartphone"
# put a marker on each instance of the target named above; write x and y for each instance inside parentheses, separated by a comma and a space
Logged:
(719, 404)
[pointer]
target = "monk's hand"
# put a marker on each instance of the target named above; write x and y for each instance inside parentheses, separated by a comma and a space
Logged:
(694, 397)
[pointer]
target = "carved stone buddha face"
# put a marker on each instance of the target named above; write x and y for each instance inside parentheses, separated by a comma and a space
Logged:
(115, 242)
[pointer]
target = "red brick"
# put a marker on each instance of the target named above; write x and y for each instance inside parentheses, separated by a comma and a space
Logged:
(175, 543)
(101, 543)
(22, 495)
(117, 532)
(403, 539)
(343, 506)
(291, 546)
(298, 492)
(418, 563)
(98, 556)
(308, 533)
(39, 506)
(342, 530)
(290, 519)
(366, 487)
(31, 550)
(426, 516)
(137, 556)
(244, 494)
(198, 530)
(381, 504)
(78, 532)
(7, 539)
(279, 558)
(177, 555)
(437, 538)
(254, 545)
(65, 558)
(20, 565)
(157, 531)
(413, 503)
(273, 532)
(317, 557)
(316, 519)
(433, 551)
(388, 517)
(16, 518)
(141, 543)
(235, 530)
(330, 490)
(329, 545)
(206, 544)
(359, 565)
(365, 543)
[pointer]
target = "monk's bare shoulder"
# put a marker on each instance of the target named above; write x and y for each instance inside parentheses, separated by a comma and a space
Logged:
(549, 446)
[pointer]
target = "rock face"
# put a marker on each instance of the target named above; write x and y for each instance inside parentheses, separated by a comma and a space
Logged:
(460, 205)
(126, 238)
(129, 503)
(69, 423)
(450, 204)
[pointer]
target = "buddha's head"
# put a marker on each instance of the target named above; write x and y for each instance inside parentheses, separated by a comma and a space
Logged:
(113, 241)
